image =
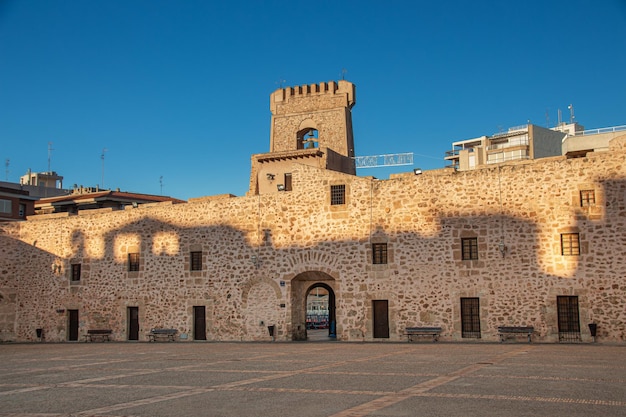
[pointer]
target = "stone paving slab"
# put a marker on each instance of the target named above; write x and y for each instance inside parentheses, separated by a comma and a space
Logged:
(311, 379)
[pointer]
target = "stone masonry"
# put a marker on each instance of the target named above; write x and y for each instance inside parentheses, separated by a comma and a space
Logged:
(263, 252)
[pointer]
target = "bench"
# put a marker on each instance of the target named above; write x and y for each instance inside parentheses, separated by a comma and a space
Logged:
(170, 334)
(409, 332)
(506, 331)
(101, 334)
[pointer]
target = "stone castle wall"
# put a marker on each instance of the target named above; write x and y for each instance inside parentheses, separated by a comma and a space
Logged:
(261, 253)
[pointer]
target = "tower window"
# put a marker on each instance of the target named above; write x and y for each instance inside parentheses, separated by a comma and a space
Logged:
(288, 186)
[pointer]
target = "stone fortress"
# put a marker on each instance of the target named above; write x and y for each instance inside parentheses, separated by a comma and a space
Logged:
(526, 243)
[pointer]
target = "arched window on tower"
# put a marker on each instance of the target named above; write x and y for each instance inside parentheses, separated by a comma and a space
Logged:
(308, 138)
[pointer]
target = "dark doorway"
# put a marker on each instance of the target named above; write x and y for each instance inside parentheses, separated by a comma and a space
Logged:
(72, 325)
(133, 323)
(381, 318)
(569, 323)
(199, 323)
(470, 317)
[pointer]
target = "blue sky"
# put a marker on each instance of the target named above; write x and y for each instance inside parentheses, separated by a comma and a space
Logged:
(180, 89)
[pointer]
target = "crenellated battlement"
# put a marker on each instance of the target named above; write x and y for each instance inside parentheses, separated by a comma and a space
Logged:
(326, 94)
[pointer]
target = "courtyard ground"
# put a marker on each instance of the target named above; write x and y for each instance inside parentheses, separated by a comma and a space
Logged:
(311, 379)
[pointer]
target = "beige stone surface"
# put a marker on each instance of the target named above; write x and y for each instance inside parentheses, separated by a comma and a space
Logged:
(262, 253)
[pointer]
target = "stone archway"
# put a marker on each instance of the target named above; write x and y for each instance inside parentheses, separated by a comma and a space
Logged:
(301, 286)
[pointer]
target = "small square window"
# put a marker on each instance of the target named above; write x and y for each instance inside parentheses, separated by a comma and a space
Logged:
(337, 195)
(379, 253)
(469, 248)
(570, 244)
(196, 261)
(75, 272)
(133, 262)
(587, 198)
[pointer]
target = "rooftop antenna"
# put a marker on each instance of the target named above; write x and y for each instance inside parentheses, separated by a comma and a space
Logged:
(343, 73)
(6, 172)
(560, 118)
(49, 155)
(547, 118)
(161, 183)
(571, 113)
(280, 83)
(102, 157)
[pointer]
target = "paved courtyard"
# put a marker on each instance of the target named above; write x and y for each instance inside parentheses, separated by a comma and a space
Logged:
(312, 379)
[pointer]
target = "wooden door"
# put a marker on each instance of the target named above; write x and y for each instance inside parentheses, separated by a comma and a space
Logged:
(381, 318)
(568, 318)
(133, 323)
(72, 325)
(199, 323)
(470, 317)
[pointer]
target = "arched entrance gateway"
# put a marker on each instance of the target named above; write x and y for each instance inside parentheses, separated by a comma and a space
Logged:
(313, 305)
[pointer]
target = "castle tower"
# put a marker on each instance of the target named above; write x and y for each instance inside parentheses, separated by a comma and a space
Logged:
(311, 125)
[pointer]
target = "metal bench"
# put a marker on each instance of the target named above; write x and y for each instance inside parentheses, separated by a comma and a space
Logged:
(506, 331)
(409, 332)
(170, 334)
(101, 334)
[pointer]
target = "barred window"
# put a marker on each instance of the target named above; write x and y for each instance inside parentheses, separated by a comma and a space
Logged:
(196, 261)
(133, 262)
(587, 198)
(337, 194)
(379, 253)
(75, 272)
(469, 248)
(570, 244)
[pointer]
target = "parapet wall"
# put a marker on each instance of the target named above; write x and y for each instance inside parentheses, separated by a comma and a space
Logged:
(327, 95)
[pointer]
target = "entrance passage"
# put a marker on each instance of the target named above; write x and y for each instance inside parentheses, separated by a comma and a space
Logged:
(470, 317)
(133, 323)
(381, 318)
(72, 325)
(313, 307)
(199, 323)
(569, 323)
(320, 319)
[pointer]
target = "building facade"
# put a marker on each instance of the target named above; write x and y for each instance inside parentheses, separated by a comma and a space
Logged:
(522, 243)
(517, 143)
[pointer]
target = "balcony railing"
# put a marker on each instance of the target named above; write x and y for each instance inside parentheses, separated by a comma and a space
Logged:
(509, 144)
(601, 130)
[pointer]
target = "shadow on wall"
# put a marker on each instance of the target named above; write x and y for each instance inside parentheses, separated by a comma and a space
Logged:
(161, 283)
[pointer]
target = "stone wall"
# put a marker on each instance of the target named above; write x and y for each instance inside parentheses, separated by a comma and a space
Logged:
(262, 253)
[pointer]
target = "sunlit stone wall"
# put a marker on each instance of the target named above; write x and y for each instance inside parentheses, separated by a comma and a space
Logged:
(254, 247)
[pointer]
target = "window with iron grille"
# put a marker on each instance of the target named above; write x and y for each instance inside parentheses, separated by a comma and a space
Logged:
(133, 262)
(337, 194)
(288, 186)
(469, 248)
(570, 244)
(587, 198)
(196, 261)
(379, 253)
(75, 272)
